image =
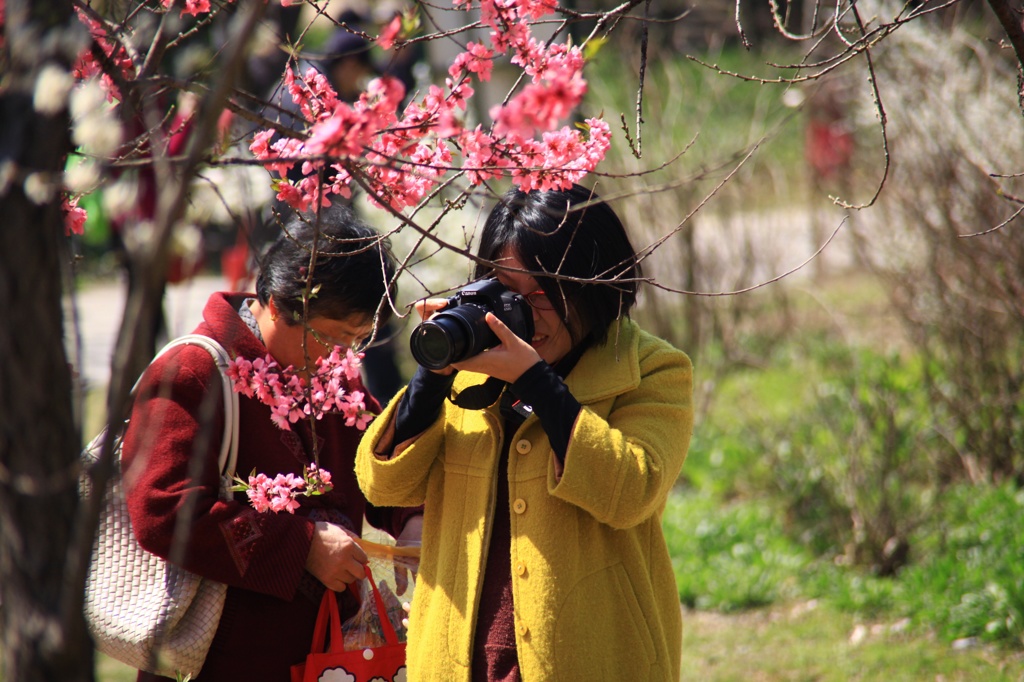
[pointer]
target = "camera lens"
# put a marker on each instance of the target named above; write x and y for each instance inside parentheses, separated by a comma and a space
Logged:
(437, 343)
(451, 336)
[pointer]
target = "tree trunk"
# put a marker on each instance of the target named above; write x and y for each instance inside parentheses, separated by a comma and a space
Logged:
(39, 440)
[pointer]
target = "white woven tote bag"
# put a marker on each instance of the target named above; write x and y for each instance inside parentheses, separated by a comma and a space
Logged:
(141, 609)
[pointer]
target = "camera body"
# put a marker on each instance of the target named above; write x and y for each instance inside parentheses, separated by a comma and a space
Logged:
(459, 330)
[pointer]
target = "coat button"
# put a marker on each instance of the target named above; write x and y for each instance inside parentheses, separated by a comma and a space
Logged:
(520, 568)
(519, 506)
(523, 446)
(522, 629)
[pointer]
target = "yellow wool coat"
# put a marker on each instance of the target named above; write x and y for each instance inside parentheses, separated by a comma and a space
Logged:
(593, 586)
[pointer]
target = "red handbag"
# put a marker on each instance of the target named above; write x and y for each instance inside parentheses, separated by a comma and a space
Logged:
(335, 663)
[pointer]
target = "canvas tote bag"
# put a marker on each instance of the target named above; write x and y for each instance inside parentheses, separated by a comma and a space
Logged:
(141, 609)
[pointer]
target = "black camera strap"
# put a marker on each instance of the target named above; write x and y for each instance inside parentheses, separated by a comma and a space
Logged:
(480, 396)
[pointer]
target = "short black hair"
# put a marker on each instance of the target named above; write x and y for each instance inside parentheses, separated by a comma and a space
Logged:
(571, 234)
(353, 272)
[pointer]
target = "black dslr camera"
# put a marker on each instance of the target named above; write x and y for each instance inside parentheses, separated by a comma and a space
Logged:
(459, 330)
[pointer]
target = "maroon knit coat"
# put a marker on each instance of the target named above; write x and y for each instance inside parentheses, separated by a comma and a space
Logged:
(272, 601)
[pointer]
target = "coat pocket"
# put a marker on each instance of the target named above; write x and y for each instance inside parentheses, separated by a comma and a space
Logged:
(601, 633)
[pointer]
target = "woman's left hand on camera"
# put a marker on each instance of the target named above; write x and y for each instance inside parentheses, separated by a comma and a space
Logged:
(426, 307)
(506, 361)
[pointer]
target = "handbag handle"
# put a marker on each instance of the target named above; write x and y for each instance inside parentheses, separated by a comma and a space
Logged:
(228, 457)
(382, 612)
(330, 616)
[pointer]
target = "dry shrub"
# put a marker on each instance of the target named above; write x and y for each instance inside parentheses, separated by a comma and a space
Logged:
(953, 122)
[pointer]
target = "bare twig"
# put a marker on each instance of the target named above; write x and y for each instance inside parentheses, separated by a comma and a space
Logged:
(882, 122)
(997, 227)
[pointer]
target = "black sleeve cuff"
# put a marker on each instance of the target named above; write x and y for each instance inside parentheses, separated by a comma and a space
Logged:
(543, 390)
(421, 404)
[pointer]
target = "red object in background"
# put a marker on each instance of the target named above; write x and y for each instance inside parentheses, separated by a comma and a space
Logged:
(180, 269)
(234, 263)
(829, 147)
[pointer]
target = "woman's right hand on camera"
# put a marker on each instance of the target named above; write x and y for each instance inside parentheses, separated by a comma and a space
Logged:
(334, 557)
(506, 361)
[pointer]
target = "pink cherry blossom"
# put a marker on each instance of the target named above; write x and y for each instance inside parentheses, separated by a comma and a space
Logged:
(88, 66)
(281, 493)
(386, 39)
(318, 480)
(477, 58)
(346, 132)
(290, 397)
(193, 7)
(74, 216)
(535, 9)
(400, 159)
(293, 196)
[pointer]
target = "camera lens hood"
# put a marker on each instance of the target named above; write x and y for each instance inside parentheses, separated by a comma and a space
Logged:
(447, 337)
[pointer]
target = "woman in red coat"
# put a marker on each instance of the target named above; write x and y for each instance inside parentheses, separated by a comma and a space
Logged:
(275, 564)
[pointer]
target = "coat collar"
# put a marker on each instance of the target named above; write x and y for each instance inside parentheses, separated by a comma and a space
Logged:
(610, 369)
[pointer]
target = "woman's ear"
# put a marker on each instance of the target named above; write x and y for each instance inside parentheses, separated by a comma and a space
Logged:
(272, 308)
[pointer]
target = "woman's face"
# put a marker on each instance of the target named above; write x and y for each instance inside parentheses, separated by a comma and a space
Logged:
(551, 338)
(322, 335)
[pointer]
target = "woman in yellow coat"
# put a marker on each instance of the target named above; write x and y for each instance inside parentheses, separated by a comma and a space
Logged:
(544, 465)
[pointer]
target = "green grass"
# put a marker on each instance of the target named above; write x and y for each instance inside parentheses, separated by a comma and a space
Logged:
(747, 567)
(110, 670)
(760, 606)
(730, 557)
(811, 641)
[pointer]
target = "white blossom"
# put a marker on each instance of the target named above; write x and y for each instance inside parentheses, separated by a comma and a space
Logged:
(87, 98)
(96, 127)
(120, 197)
(220, 194)
(38, 188)
(186, 239)
(82, 177)
(793, 97)
(98, 134)
(52, 87)
(141, 233)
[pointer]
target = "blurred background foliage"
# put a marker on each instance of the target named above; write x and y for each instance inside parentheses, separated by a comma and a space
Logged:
(860, 433)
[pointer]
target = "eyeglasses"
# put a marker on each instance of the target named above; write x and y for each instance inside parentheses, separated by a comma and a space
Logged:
(538, 300)
(330, 342)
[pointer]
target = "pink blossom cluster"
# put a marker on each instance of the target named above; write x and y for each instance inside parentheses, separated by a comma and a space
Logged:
(197, 7)
(401, 156)
(193, 7)
(290, 397)
(74, 215)
(281, 493)
(88, 66)
(386, 39)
